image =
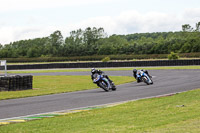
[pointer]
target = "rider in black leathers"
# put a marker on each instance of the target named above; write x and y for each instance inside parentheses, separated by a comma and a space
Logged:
(93, 71)
(135, 72)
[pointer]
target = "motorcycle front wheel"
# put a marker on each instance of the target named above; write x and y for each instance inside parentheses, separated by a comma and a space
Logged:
(144, 79)
(104, 86)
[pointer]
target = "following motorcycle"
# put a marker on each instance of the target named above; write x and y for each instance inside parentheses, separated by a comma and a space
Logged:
(144, 77)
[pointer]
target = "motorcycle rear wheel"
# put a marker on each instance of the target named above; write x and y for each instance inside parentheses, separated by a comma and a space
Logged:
(113, 87)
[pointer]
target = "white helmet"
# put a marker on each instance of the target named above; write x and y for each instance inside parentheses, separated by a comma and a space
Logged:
(93, 70)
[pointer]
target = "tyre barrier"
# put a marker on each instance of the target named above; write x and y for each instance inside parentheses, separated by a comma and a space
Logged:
(106, 64)
(16, 82)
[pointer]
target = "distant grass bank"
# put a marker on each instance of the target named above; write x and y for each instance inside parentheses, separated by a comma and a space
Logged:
(104, 69)
(173, 114)
(44, 85)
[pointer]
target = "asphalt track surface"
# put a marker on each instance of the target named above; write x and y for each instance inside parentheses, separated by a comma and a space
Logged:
(165, 82)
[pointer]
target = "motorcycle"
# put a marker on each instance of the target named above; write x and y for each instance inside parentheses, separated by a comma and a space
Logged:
(103, 82)
(144, 77)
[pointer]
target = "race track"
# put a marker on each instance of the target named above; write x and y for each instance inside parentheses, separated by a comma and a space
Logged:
(165, 82)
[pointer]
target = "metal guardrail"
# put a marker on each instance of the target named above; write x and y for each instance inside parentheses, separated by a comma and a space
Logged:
(107, 64)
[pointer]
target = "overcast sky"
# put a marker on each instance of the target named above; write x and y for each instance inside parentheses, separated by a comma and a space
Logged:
(28, 19)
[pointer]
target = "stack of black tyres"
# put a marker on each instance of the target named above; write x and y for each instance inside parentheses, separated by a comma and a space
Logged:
(16, 82)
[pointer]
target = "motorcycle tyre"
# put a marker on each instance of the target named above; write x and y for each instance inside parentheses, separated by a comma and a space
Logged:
(145, 81)
(151, 81)
(113, 87)
(103, 87)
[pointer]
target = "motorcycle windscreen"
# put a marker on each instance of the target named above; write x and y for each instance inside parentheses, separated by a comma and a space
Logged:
(96, 77)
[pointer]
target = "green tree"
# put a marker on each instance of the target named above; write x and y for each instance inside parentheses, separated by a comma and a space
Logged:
(197, 27)
(187, 28)
(54, 44)
(32, 52)
(106, 49)
(91, 36)
(83, 42)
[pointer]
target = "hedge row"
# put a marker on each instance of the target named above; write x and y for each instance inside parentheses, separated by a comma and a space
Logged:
(99, 58)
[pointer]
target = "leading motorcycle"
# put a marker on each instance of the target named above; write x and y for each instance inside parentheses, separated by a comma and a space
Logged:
(103, 82)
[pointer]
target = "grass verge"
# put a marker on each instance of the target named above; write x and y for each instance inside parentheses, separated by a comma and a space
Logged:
(178, 113)
(105, 69)
(44, 85)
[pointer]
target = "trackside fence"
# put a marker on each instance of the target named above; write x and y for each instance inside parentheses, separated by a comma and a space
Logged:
(106, 64)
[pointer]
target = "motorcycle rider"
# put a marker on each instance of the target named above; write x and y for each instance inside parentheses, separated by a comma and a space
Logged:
(135, 74)
(93, 71)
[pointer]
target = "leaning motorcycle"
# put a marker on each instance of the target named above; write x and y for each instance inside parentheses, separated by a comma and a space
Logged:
(103, 82)
(144, 77)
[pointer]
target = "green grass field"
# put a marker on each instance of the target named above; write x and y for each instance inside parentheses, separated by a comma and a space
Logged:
(44, 85)
(173, 114)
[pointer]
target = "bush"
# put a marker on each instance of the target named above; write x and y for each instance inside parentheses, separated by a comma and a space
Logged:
(173, 56)
(106, 59)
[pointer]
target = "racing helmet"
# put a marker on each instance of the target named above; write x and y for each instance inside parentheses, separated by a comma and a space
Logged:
(134, 70)
(93, 70)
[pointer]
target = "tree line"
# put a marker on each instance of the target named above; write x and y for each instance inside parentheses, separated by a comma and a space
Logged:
(95, 41)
